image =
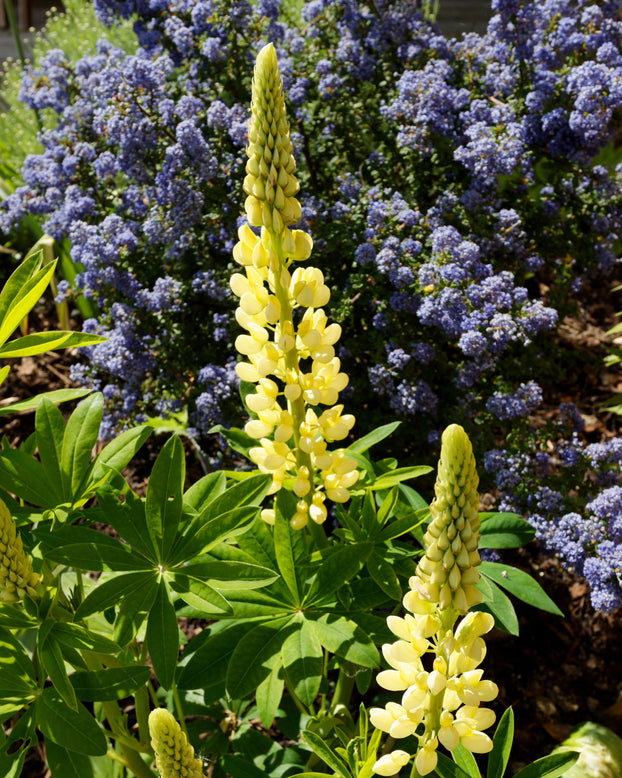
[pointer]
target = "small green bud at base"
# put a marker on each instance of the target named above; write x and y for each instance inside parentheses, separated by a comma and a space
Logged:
(174, 755)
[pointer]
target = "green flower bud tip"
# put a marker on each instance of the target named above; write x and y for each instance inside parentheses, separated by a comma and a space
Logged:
(270, 182)
(17, 578)
(448, 571)
(174, 755)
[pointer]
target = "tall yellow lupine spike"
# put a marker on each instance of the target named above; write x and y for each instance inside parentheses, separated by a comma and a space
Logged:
(174, 755)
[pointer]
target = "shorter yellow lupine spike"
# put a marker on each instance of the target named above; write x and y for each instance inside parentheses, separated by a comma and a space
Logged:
(17, 578)
(174, 755)
(448, 569)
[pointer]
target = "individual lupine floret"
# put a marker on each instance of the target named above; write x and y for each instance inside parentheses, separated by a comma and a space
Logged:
(442, 704)
(174, 755)
(17, 578)
(292, 437)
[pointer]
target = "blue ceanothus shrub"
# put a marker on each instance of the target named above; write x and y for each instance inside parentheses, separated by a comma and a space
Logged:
(459, 189)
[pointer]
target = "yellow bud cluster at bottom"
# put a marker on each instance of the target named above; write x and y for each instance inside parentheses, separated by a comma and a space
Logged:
(174, 755)
(17, 578)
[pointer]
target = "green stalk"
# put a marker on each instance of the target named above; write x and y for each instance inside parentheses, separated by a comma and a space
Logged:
(343, 690)
(179, 708)
(141, 702)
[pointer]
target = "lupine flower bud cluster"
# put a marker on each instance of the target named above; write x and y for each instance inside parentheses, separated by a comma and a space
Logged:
(17, 578)
(174, 755)
(441, 704)
(290, 358)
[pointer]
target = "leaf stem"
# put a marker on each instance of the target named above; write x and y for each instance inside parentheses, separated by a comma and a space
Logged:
(179, 708)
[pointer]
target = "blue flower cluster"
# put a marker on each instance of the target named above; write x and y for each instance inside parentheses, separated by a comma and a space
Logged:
(459, 203)
(570, 492)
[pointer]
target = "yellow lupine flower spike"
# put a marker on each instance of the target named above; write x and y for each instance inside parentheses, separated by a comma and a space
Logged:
(291, 360)
(17, 578)
(448, 569)
(441, 704)
(270, 182)
(174, 755)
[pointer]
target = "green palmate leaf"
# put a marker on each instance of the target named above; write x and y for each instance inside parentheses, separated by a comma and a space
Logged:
(205, 490)
(200, 595)
(549, 766)
(74, 730)
(10, 292)
(381, 570)
(497, 603)
(164, 499)
(163, 636)
(80, 436)
(206, 659)
(76, 636)
(4, 371)
(97, 556)
(231, 574)
(15, 617)
(387, 480)
(132, 612)
(39, 342)
(335, 569)
(113, 683)
(119, 452)
(57, 396)
(521, 585)
(303, 661)
(13, 751)
(125, 512)
(504, 530)
(241, 767)
(50, 428)
(326, 753)
(255, 656)
(371, 439)
(346, 639)
(202, 539)
(108, 593)
(269, 694)
(67, 764)
(502, 746)
(284, 551)
(51, 658)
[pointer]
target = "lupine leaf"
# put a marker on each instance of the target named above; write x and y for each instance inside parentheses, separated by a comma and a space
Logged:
(80, 436)
(502, 746)
(521, 585)
(50, 428)
(205, 490)
(24, 476)
(325, 752)
(465, 760)
(77, 636)
(67, 764)
(303, 660)
(345, 639)
(206, 665)
(164, 499)
(269, 694)
(445, 768)
(284, 552)
(125, 512)
(111, 591)
(51, 658)
(231, 574)
(163, 636)
(381, 570)
(394, 477)
(111, 683)
(75, 730)
(56, 396)
(336, 568)
(133, 610)
(549, 766)
(38, 342)
(97, 556)
(200, 595)
(504, 530)
(255, 656)
(499, 605)
(375, 436)
(119, 452)
(24, 297)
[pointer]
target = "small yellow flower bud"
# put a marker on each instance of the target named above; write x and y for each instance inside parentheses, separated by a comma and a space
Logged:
(174, 755)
